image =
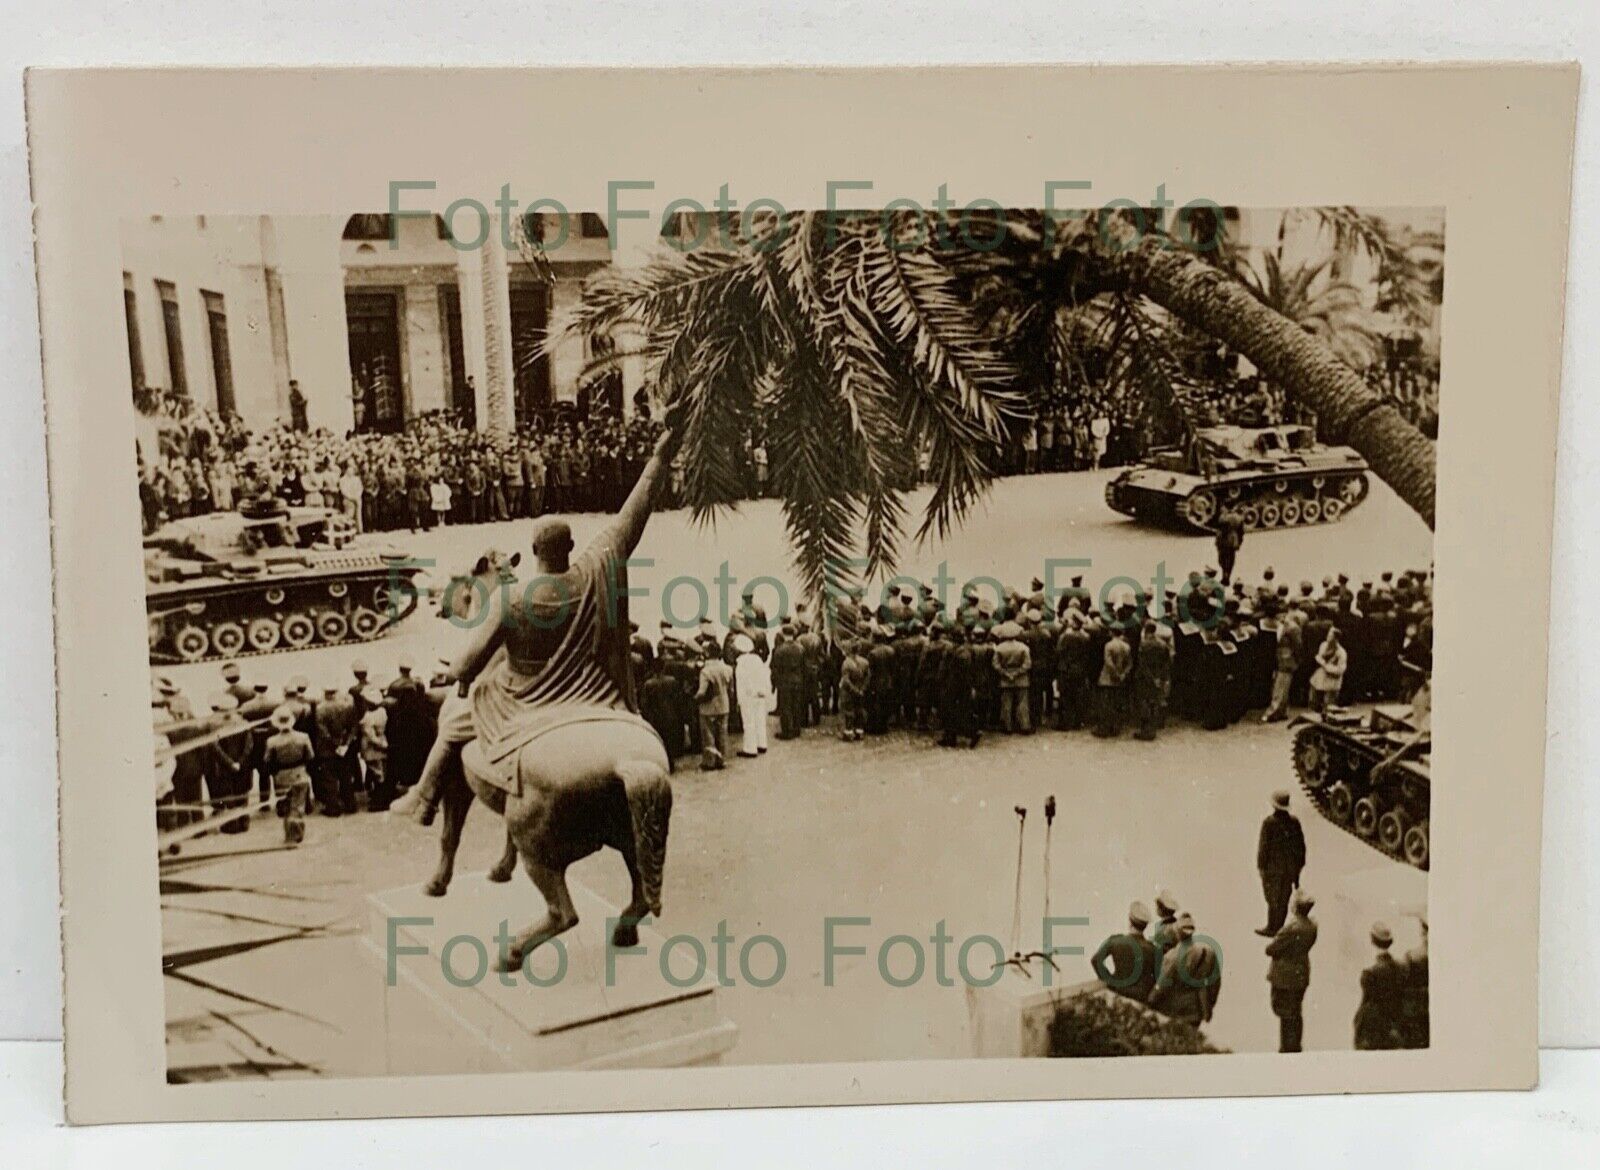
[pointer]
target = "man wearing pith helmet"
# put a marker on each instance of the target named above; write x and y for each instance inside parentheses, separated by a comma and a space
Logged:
(1377, 1022)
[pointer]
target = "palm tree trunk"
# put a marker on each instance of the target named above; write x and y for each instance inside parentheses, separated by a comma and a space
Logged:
(1347, 409)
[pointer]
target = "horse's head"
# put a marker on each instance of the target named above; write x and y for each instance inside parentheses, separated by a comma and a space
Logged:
(467, 591)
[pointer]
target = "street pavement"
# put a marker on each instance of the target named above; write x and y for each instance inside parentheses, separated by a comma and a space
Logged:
(896, 829)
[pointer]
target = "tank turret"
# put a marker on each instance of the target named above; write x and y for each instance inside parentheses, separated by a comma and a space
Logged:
(268, 578)
(1272, 477)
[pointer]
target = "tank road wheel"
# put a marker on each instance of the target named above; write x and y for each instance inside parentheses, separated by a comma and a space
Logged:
(1392, 830)
(1271, 514)
(299, 630)
(1366, 816)
(1201, 508)
(1351, 489)
(191, 643)
(1311, 761)
(1251, 516)
(274, 596)
(1332, 509)
(1340, 802)
(337, 589)
(332, 626)
(1291, 512)
(227, 638)
(1280, 486)
(364, 623)
(1310, 511)
(1416, 844)
(263, 635)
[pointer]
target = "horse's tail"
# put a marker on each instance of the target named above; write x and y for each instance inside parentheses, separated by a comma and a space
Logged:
(650, 806)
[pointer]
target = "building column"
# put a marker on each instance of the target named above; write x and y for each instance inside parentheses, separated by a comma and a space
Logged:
(312, 276)
(424, 340)
(486, 330)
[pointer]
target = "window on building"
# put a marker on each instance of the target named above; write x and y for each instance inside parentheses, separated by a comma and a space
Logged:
(369, 226)
(530, 323)
(221, 356)
(130, 311)
(174, 331)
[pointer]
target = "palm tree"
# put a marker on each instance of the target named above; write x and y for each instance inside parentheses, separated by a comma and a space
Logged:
(1328, 308)
(858, 340)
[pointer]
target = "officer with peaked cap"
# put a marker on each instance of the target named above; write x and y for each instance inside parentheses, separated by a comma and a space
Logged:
(1377, 1020)
(1128, 963)
(1165, 934)
(228, 761)
(1289, 973)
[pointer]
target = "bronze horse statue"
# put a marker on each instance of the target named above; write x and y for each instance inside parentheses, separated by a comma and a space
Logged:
(567, 764)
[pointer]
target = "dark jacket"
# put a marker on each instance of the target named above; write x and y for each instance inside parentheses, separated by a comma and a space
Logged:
(1282, 845)
(1290, 952)
(1133, 966)
(1377, 1022)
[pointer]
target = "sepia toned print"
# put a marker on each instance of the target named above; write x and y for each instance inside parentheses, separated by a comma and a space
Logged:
(1231, 631)
(854, 624)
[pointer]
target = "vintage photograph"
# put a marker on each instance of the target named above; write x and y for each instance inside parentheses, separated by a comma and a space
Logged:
(795, 637)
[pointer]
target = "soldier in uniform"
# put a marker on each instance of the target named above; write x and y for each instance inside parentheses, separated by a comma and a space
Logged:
(789, 680)
(812, 645)
(255, 711)
(1128, 963)
(855, 677)
(880, 682)
(1116, 666)
(1152, 682)
(1229, 537)
(335, 727)
(410, 726)
(228, 762)
(985, 679)
(909, 644)
(1190, 979)
(1012, 663)
(1165, 935)
(1280, 856)
(929, 669)
(1414, 1031)
(1039, 635)
(957, 715)
(1289, 973)
(662, 708)
(1377, 1020)
(1072, 672)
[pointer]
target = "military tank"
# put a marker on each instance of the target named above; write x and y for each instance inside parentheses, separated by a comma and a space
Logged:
(1370, 776)
(1273, 477)
(268, 577)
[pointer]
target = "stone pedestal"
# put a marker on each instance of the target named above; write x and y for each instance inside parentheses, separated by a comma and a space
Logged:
(1013, 1017)
(432, 1025)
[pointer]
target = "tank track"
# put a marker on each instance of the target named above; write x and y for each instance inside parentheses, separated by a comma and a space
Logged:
(1274, 501)
(1319, 796)
(375, 623)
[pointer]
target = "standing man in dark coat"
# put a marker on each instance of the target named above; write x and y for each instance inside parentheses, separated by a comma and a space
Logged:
(789, 680)
(1190, 979)
(1414, 1030)
(332, 773)
(929, 669)
(1072, 672)
(229, 761)
(815, 650)
(1039, 636)
(880, 682)
(1230, 537)
(1280, 856)
(1133, 962)
(1377, 1021)
(411, 727)
(661, 705)
(1289, 973)
(1116, 666)
(909, 643)
(1152, 682)
(956, 712)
